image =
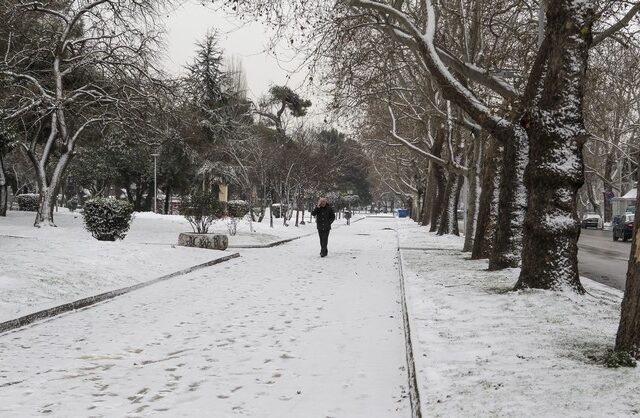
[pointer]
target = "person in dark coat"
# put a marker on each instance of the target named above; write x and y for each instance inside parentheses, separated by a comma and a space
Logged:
(324, 218)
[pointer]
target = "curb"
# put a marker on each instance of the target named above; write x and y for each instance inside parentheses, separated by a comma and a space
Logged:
(414, 392)
(273, 244)
(92, 300)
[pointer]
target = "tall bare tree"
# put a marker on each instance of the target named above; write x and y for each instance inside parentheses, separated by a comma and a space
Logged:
(82, 65)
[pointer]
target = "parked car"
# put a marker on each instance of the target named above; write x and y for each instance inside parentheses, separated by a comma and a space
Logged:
(623, 226)
(591, 220)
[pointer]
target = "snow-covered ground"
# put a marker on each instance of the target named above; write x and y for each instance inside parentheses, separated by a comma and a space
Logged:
(279, 332)
(484, 351)
(46, 267)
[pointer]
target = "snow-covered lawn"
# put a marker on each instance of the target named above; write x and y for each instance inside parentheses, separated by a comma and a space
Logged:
(482, 350)
(46, 267)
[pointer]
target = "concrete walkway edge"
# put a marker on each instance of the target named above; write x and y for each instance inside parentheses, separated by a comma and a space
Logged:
(414, 392)
(92, 300)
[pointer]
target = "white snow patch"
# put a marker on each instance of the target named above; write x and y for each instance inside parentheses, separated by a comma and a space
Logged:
(482, 350)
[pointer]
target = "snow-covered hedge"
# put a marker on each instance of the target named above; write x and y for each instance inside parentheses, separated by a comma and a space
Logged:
(28, 201)
(237, 208)
(107, 219)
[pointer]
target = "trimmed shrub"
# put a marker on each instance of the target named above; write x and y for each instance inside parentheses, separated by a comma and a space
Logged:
(72, 204)
(107, 219)
(202, 209)
(28, 201)
(237, 208)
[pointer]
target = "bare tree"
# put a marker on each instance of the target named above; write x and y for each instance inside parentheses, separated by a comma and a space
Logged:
(86, 70)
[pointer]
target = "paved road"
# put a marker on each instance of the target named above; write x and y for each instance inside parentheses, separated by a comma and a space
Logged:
(602, 259)
(279, 332)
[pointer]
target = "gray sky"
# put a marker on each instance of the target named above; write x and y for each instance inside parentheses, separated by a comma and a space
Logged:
(189, 23)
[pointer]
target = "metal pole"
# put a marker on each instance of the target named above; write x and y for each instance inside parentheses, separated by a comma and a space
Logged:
(155, 185)
(155, 182)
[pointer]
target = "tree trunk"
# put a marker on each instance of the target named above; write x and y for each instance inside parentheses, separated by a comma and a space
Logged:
(448, 215)
(271, 211)
(608, 168)
(475, 157)
(507, 246)
(48, 189)
(167, 199)
(4, 190)
(488, 211)
(628, 337)
(440, 180)
(555, 126)
(592, 198)
(427, 200)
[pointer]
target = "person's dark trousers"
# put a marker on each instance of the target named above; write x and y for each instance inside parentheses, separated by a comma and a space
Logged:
(324, 239)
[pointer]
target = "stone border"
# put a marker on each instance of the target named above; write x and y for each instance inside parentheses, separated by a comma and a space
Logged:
(272, 244)
(428, 249)
(414, 392)
(92, 300)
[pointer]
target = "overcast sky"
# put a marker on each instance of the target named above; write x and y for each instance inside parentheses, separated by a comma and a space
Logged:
(190, 22)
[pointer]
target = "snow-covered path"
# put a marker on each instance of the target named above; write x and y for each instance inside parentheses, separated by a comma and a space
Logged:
(279, 332)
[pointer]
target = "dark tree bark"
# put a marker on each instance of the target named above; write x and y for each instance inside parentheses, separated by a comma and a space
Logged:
(488, 211)
(429, 188)
(167, 199)
(608, 169)
(4, 190)
(448, 215)
(474, 159)
(48, 187)
(628, 337)
(592, 198)
(439, 180)
(507, 246)
(555, 126)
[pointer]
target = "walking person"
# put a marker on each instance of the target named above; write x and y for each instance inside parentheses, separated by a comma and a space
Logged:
(324, 218)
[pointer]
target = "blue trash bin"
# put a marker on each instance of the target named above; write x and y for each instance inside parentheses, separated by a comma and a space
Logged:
(403, 213)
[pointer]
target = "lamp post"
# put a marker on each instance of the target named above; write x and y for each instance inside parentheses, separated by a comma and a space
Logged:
(155, 182)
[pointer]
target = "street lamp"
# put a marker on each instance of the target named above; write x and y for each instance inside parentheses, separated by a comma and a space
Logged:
(155, 182)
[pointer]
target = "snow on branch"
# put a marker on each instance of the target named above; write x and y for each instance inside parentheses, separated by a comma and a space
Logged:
(420, 151)
(622, 23)
(425, 48)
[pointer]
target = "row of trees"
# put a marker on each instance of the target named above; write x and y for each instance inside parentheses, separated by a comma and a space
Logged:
(511, 99)
(84, 103)
(507, 97)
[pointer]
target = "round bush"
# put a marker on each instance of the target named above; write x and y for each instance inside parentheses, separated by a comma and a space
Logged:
(237, 208)
(107, 219)
(28, 202)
